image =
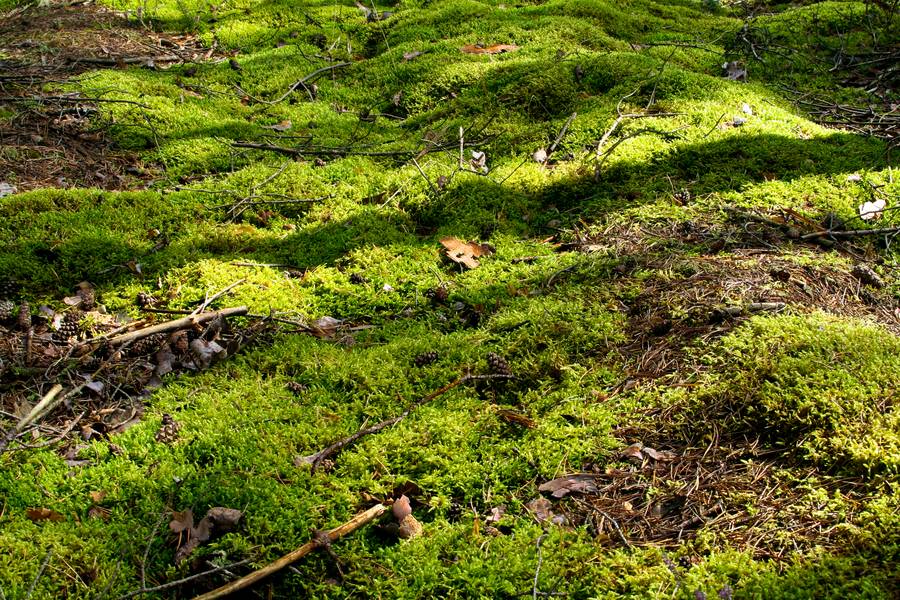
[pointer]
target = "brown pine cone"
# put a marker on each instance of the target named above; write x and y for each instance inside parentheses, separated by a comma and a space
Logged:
(86, 293)
(70, 326)
(147, 345)
(426, 358)
(498, 365)
(24, 318)
(168, 430)
(143, 299)
(7, 310)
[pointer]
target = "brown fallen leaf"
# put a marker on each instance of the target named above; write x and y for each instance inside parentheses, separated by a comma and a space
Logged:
(495, 49)
(280, 126)
(541, 509)
(518, 418)
(97, 497)
(465, 253)
(181, 520)
(562, 486)
(401, 508)
(658, 455)
(44, 514)
(633, 452)
(409, 528)
(224, 518)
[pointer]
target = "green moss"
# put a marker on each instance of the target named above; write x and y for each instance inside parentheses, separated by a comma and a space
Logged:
(819, 389)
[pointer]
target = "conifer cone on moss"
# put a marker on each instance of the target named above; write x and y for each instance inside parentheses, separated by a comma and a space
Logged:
(498, 365)
(147, 345)
(168, 430)
(426, 358)
(143, 299)
(7, 310)
(87, 295)
(24, 319)
(69, 326)
(8, 288)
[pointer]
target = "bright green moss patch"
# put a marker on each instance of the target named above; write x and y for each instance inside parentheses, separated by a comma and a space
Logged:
(350, 229)
(819, 387)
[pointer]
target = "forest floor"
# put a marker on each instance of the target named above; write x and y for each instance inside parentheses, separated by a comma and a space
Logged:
(609, 292)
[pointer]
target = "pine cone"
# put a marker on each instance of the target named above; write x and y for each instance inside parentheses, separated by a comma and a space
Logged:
(86, 293)
(69, 327)
(24, 316)
(8, 288)
(147, 345)
(357, 279)
(143, 299)
(439, 294)
(426, 358)
(180, 341)
(168, 431)
(498, 365)
(7, 310)
(296, 387)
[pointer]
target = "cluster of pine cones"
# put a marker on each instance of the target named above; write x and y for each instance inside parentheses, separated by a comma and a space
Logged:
(12, 312)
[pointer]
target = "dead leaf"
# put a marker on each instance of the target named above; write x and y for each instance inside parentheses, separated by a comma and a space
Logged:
(496, 514)
(97, 497)
(165, 360)
(44, 514)
(735, 70)
(408, 56)
(409, 528)
(206, 353)
(871, 211)
(181, 521)
(326, 327)
(466, 253)
(495, 49)
(281, 126)
(562, 486)
(541, 509)
(658, 455)
(401, 508)
(6, 189)
(224, 518)
(633, 452)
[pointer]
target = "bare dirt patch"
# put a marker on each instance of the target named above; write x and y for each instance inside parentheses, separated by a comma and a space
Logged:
(52, 138)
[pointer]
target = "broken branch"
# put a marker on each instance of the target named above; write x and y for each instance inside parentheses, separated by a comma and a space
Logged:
(331, 535)
(170, 326)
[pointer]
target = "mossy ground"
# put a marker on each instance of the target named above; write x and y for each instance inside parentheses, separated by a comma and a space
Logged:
(819, 390)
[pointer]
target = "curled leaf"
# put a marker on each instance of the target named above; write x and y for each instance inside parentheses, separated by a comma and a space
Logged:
(401, 508)
(466, 253)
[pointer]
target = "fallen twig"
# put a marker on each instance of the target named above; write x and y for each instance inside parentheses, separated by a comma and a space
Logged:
(330, 536)
(315, 460)
(850, 233)
(39, 573)
(304, 80)
(177, 324)
(50, 400)
(559, 138)
(172, 584)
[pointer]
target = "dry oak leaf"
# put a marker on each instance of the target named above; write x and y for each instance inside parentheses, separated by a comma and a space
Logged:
(495, 49)
(44, 514)
(466, 253)
(562, 486)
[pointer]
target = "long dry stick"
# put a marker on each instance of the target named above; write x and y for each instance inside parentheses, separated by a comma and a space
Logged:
(333, 534)
(315, 460)
(172, 584)
(851, 233)
(175, 325)
(304, 80)
(47, 403)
